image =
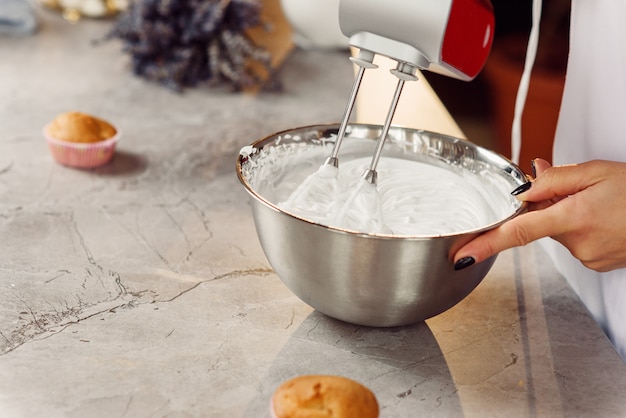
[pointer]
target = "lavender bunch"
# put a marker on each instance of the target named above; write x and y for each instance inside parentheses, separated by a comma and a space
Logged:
(185, 43)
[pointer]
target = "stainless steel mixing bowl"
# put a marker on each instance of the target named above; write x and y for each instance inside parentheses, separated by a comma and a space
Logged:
(367, 279)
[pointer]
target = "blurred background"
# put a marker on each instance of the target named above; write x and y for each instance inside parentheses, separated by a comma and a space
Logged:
(483, 108)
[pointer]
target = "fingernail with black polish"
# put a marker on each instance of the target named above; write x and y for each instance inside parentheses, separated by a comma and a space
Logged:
(521, 189)
(464, 262)
(533, 167)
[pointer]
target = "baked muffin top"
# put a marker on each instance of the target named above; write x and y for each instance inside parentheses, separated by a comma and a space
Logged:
(323, 396)
(80, 127)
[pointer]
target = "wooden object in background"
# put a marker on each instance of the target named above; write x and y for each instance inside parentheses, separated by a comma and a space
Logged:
(274, 34)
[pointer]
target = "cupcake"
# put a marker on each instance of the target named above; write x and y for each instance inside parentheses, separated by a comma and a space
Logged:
(80, 140)
(323, 396)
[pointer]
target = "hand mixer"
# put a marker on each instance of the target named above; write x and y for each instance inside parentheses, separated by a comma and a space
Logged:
(449, 37)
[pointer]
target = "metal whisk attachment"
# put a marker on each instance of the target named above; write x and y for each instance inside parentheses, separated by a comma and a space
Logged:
(364, 60)
(363, 208)
(404, 72)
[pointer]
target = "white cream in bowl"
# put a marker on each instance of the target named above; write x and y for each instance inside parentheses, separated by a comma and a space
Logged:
(412, 197)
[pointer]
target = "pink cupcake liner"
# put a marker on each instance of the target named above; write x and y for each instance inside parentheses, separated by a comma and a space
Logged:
(82, 155)
(272, 410)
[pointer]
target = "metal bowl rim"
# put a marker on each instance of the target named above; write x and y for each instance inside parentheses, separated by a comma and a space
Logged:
(240, 160)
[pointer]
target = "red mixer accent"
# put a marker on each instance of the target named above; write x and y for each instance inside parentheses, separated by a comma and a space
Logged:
(469, 35)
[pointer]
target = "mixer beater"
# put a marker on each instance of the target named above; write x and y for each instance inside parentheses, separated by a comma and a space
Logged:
(449, 37)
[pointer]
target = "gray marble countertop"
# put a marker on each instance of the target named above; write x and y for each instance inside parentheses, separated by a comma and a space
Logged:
(139, 289)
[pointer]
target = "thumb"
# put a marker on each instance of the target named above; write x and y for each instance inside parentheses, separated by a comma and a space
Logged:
(539, 166)
(558, 182)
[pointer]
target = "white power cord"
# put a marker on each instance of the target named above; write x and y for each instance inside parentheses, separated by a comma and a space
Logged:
(522, 92)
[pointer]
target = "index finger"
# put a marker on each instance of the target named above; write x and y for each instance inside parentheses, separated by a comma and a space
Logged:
(519, 231)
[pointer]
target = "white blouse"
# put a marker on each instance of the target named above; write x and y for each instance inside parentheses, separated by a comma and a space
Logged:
(592, 125)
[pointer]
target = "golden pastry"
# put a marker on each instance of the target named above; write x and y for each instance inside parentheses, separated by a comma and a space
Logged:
(323, 396)
(80, 127)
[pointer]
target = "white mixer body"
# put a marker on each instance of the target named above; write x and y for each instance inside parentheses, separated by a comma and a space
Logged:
(450, 37)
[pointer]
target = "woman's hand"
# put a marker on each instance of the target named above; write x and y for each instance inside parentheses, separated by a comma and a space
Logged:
(582, 206)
